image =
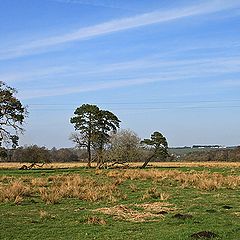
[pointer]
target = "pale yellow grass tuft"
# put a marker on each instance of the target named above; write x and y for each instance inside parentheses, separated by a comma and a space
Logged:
(14, 192)
(96, 220)
(45, 215)
(133, 187)
(50, 196)
(39, 182)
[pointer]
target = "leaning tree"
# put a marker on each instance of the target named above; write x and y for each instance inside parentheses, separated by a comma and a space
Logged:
(158, 144)
(12, 115)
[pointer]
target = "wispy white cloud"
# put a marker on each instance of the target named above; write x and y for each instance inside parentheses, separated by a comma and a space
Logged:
(230, 83)
(140, 67)
(118, 25)
(94, 3)
(30, 75)
(165, 71)
(29, 94)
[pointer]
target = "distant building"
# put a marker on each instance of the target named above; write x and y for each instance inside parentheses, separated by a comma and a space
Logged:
(207, 146)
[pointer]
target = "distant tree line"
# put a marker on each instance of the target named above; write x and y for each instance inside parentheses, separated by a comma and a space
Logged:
(36, 154)
(221, 154)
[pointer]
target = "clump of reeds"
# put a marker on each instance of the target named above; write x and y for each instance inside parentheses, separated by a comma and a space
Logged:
(201, 180)
(50, 196)
(39, 182)
(75, 186)
(14, 192)
(54, 188)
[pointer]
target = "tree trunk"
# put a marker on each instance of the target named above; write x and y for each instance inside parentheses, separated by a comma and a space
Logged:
(89, 153)
(100, 158)
(147, 161)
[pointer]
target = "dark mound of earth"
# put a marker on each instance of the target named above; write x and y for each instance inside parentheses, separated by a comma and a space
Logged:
(162, 212)
(227, 207)
(204, 234)
(211, 211)
(183, 216)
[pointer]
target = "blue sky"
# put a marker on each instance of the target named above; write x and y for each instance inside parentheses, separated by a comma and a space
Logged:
(171, 66)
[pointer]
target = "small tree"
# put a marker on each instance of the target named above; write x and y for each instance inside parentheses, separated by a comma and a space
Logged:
(124, 147)
(12, 115)
(158, 144)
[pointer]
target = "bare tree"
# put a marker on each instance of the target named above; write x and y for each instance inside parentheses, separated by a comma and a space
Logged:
(124, 147)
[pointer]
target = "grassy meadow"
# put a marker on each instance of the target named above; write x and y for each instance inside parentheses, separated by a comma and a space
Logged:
(165, 201)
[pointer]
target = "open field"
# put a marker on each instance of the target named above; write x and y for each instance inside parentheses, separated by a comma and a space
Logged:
(168, 201)
(17, 165)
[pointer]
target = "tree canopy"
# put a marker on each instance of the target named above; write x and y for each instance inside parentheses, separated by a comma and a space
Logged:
(12, 115)
(158, 143)
(94, 126)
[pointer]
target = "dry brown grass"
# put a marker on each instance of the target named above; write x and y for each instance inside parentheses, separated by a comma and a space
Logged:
(133, 187)
(153, 192)
(201, 180)
(96, 220)
(50, 196)
(85, 188)
(16, 165)
(52, 189)
(14, 192)
(156, 207)
(39, 182)
(45, 215)
(150, 211)
(75, 186)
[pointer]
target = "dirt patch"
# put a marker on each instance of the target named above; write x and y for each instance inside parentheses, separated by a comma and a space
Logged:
(204, 234)
(151, 212)
(211, 211)
(183, 216)
(162, 212)
(227, 207)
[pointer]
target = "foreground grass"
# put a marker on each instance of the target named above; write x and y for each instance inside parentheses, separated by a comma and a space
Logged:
(111, 204)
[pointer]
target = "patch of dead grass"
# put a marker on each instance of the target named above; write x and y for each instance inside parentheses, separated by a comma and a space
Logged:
(201, 180)
(52, 189)
(151, 211)
(17, 165)
(96, 220)
(14, 192)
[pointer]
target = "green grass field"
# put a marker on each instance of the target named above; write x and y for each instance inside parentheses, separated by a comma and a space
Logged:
(156, 203)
